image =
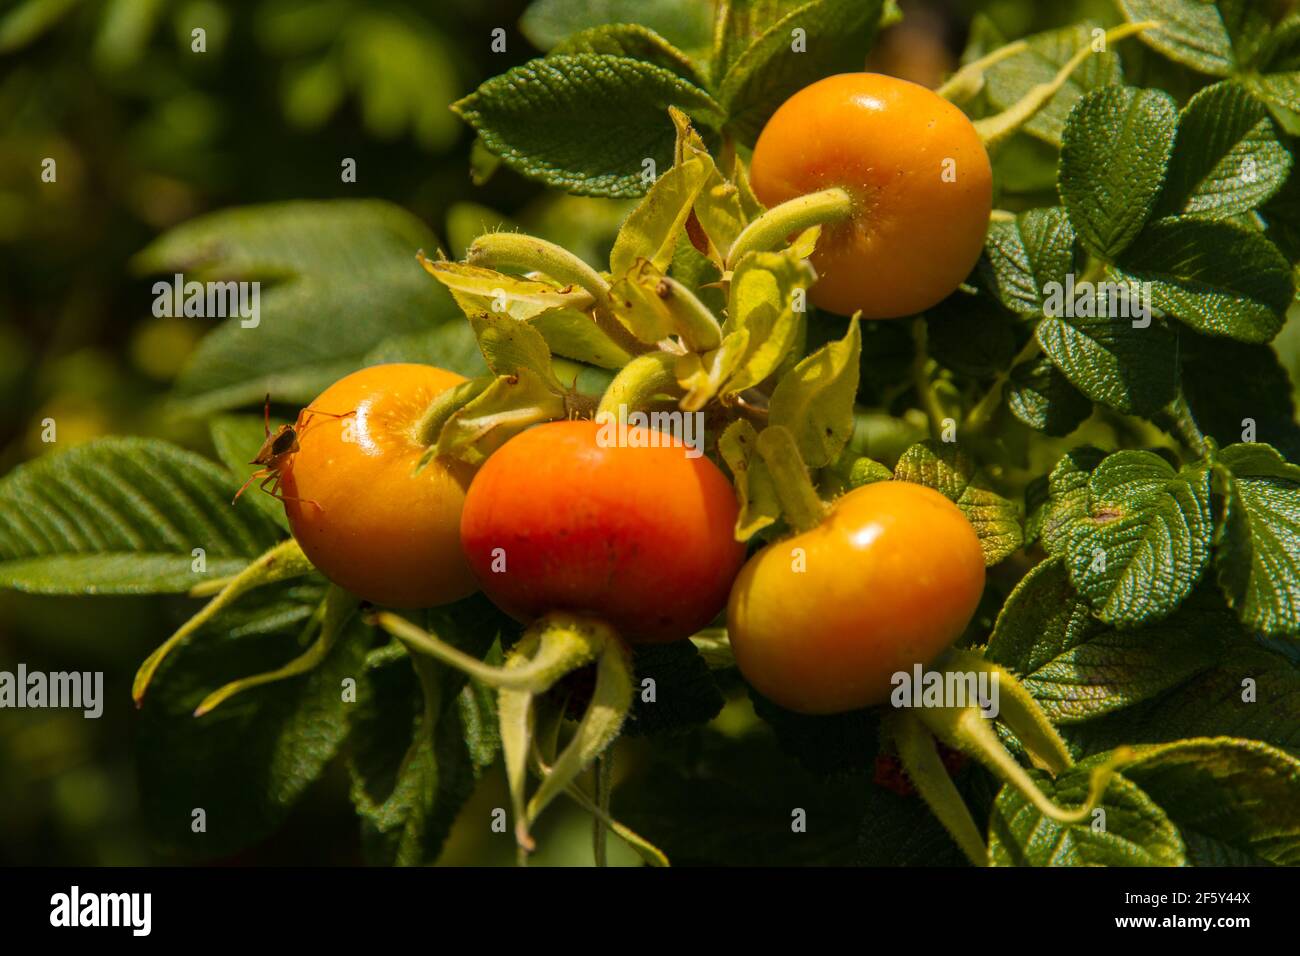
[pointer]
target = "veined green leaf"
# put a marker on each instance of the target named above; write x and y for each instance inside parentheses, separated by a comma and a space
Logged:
(1130, 369)
(634, 41)
(337, 278)
(124, 516)
(1257, 553)
(1137, 831)
(1226, 796)
(1114, 152)
(836, 35)
(1227, 158)
(1135, 535)
(1026, 255)
(588, 123)
(1078, 668)
(1191, 32)
(1218, 277)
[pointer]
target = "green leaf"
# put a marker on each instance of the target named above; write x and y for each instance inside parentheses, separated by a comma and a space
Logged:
(1218, 277)
(585, 123)
(1227, 157)
(417, 747)
(901, 831)
(685, 693)
(237, 440)
(1238, 392)
(246, 763)
(1232, 796)
(685, 23)
(1114, 152)
(1135, 534)
(1023, 256)
(762, 302)
(837, 34)
(1137, 832)
(652, 230)
(1130, 369)
(576, 335)
(450, 345)
(1078, 668)
(1007, 82)
(634, 41)
(124, 516)
(478, 291)
(510, 347)
(337, 278)
(1191, 32)
(1041, 397)
(1257, 553)
(815, 399)
(755, 489)
(951, 472)
(706, 799)
(971, 334)
(1250, 693)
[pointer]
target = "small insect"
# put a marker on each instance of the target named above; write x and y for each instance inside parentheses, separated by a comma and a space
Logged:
(274, 454)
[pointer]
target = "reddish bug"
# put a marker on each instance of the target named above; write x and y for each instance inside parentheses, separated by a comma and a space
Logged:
(276, 450)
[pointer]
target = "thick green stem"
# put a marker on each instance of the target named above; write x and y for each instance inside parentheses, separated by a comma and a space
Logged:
(1018, 710)
(649, 853)
(518, 252)
(934, 412)
(1179, 421)
(772, 229)
(568, 643)
(966, 729)
(637, 383)
(444, 405)
(967, 82)
(925, 769)
(995, 130)
(599, 825)
(695, 322)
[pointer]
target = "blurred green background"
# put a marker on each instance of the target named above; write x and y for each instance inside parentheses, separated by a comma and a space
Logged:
(146, 134)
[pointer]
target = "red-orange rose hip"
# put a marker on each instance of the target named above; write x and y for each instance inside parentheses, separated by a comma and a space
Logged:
(559, 519)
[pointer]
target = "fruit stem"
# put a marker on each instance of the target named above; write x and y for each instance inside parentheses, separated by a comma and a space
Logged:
(444, 405)
(967, 82)
(281, 562)
(637, 383)
(925, 769)
(695, 322)
(649, 853)
(934, 412)
(570, 644)
(599, 830)
(1019, 711)
(518, 252)
(996, 129)
(772, 229)
(966, 729)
